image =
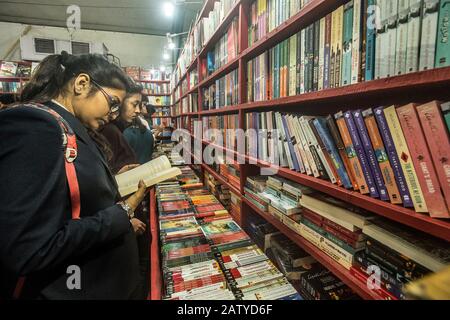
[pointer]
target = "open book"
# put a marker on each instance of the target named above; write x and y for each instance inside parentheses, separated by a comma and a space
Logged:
(152, 172)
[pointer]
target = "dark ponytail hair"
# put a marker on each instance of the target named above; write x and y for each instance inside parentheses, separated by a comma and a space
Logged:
(50, 78)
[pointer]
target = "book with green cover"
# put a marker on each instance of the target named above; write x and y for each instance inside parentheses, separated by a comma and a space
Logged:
(443, 41)
(445, 107)
(347, 45)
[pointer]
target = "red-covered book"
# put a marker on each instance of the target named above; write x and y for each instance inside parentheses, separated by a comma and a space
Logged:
(422, 161)
(439, 143)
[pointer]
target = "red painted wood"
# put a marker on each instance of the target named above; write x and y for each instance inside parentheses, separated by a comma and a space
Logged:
(155, 264)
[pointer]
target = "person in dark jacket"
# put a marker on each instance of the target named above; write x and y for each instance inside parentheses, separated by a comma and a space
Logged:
(124, 156)
(96, 256)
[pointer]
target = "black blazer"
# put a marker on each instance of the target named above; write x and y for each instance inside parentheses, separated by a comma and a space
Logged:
(38, 238)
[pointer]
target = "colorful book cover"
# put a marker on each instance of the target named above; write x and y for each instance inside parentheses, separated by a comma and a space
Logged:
(370, 153)
(347, 44)
(422, 161)
(405, 159)
(439, 143)
(290, 144)
(393, 157)
(316, 36)
(371, 42)
(330, 147)
(382, 157)
(429, 34)
(443, 41)
(355, 166)
(368, 174)
(334, 131)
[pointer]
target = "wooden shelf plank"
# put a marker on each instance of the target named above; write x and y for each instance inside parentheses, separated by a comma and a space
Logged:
(230, 66)
(359, 287)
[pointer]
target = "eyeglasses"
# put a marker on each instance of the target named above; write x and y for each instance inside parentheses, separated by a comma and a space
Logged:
(114, 103)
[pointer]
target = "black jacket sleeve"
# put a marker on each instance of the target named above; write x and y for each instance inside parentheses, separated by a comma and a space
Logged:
(36, 229)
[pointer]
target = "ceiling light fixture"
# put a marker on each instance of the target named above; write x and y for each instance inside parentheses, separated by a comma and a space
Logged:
(168, 8)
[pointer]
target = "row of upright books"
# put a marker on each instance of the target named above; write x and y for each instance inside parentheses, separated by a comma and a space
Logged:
(162, 112)
(212, 129)
(146, 74)
(199, 35)
(360, 41)
(266, 15)
(158, 101)
(205, 254)
(155, 88)
(225, 50)
(10, 87)
(352, 237)
(395, 154)
(224, 92)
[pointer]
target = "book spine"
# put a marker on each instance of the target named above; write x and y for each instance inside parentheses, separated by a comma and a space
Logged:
(327, 54)
(380, 47)
(355, 166)
(323, 155)
(300, 141)
(334, 132)
(333, 47)
(298, 63)
(402, 37)
(423, 164)
(383, 160)
(362, 72)
(438, 141)
(316, 37)
(393, 157)
(302, 60)
(405, 159)
(339, 43)
(443, 41)
(392, 20)
(371, 41)
(295, 143)
(292, 64)
(347, 44)
(332, 151)
(312, 147)
(446, 113)
(321, 54)
(429, 34)
(309, 69)
(303, 136)
(368, 175)
(370, 153)
(414, 32)
(357, 41)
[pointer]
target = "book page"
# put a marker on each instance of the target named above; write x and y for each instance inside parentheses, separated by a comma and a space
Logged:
(152, 172)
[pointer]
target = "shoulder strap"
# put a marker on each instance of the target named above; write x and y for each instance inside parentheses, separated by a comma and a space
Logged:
(70, 154)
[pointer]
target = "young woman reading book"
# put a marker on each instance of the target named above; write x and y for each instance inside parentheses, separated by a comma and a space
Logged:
(64, 231)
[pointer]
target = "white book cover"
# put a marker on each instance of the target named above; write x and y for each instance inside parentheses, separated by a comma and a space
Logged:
(292, 64)
(402, 37)
(429, 34)
(319, 150)
(300, 145)
(414, 32)
(392, 36)
(284, 140)
(302, 61)
(356, 38)
(295, 143)
(321, 52)
(304, 136)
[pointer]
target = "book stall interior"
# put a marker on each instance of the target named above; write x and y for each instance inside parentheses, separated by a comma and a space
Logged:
(293, 150)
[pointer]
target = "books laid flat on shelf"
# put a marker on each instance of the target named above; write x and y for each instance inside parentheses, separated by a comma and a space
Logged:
(151, 173)
(389, 153)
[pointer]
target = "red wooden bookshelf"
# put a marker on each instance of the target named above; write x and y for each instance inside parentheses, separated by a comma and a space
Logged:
(359, 287)
(418, 87)
(155, 265)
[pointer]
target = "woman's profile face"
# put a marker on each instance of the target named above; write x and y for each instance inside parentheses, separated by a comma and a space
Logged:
(131, 108)
(93, 109)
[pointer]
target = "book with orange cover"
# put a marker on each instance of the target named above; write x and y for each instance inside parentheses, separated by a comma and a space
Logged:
(382, 157)
(355, 166)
